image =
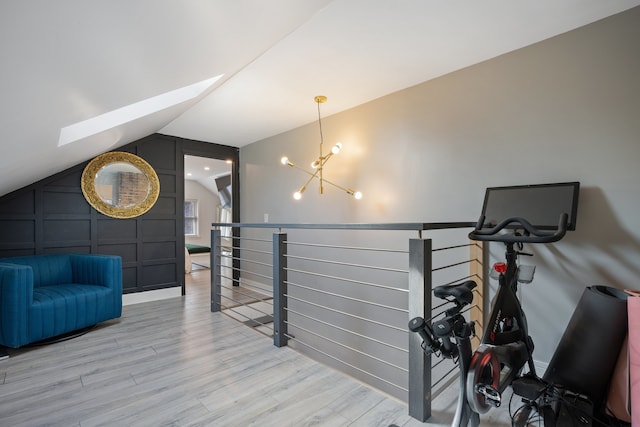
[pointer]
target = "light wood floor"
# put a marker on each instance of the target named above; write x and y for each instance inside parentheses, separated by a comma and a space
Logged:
(173, 362)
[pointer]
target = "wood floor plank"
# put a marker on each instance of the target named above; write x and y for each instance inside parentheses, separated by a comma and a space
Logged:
(357, 403)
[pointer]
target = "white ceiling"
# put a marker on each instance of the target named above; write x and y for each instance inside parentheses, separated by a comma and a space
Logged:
(67, 61)
(205, 171)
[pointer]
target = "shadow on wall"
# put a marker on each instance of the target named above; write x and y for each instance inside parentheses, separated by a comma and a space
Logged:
(601, 250)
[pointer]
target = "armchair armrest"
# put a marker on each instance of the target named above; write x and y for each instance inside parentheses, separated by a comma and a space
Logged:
(16, 295)
(102, 270)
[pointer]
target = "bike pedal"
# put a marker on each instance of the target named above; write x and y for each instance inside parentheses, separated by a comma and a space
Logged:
(491, 395)
(529, 388)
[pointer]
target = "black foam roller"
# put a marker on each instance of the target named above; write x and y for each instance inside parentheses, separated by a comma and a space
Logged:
(587, 353)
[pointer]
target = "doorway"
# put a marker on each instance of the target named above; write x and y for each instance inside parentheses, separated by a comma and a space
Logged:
(207, 199)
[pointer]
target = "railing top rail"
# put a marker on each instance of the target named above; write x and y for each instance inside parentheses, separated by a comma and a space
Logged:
(412, 226)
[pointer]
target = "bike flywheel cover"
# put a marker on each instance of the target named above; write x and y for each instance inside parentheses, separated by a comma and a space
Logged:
(484, 369)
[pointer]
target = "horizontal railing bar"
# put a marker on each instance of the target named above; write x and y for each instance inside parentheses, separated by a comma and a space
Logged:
(223, 276)
(435, 316)
(409, 226)
(447, 383)
(444, 376)
(375, 304)
(375, 322)
(241, 270)
(253, 239)
(466, 309)
(237, 290)
(404, 350)
(359, 248)
(241, 304)
(251, 261)
(255, 251)
(239, 248)
(455, 281)
(327, 261)
(231, 308)
(356, 248)
(440, 361)
(439, 391)
(377, 359)
(246, 317)
(264, 290)
(452, 265)
(344, 279)
(347, 364)
(464, 245)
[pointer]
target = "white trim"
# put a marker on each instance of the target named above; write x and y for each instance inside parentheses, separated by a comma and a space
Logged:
(159, 294)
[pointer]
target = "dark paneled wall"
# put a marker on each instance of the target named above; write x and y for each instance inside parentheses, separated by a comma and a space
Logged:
(52, 216)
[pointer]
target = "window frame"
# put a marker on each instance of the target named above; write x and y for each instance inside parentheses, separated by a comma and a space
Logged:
(196, 231)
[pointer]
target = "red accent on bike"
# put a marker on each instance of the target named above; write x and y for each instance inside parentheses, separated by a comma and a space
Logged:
(490, 361)
(500, 267)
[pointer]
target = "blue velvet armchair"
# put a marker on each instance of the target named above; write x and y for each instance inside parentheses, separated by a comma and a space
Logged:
(43, 296)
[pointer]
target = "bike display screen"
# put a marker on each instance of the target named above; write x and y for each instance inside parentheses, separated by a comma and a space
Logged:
(540, 204)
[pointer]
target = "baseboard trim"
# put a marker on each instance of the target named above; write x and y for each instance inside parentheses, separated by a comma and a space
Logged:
(147, 296)
(541, 367)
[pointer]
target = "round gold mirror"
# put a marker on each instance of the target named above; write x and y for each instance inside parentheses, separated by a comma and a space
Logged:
(120, 185)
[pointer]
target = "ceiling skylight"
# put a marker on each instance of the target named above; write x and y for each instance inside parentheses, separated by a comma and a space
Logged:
(129, 113)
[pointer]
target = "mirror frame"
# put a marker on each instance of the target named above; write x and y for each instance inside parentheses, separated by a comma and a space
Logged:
(91, 195)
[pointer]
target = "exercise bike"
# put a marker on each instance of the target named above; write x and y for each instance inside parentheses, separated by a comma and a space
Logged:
(506, 347)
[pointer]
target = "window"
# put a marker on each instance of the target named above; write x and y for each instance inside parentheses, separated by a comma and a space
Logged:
(190, 217)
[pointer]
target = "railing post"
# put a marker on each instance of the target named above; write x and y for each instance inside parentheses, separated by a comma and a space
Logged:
(215, 261)
(280, 333)
(419, 305)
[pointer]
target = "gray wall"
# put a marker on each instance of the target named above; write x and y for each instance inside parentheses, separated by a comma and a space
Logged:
(565, 109)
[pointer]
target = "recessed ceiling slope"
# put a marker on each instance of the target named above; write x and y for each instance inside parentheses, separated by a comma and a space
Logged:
(354, 51)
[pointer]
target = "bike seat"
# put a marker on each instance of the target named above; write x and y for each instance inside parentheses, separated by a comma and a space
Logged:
(461, 292)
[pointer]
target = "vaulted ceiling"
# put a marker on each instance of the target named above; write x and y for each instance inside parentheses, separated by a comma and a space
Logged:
(79, 77)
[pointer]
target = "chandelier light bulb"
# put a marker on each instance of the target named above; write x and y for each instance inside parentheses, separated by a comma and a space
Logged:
(298, 194)
(284, 160)
(315, 164)
(357, 195)
(336, 148)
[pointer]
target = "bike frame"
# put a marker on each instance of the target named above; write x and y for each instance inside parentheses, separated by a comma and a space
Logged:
(511, 343)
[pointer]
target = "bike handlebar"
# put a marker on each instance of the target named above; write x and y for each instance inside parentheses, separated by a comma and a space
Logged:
(532, 234)
(418, 324)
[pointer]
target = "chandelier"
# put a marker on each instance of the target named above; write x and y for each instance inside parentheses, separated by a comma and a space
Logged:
(318, 164)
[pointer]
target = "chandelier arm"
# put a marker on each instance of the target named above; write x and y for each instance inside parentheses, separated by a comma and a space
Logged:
(313, 175)
(293, 165)
(325, 159)
(318, 102)
(346, 190)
